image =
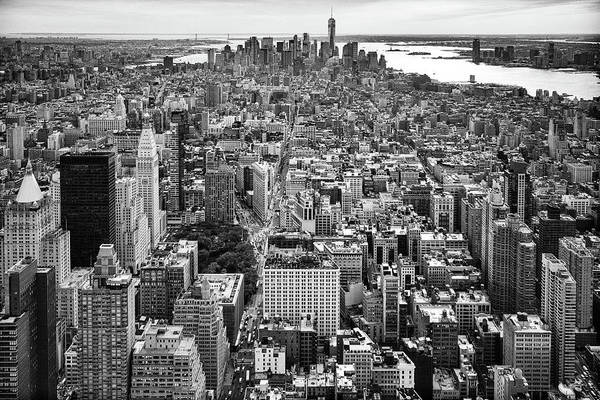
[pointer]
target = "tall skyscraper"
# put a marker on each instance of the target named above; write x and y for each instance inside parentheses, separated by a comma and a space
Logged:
(200, 314)
(517, 187)
(175, 143)
(262, 182)
(579, 261)
(166, 361)
(148, 182)
(15, 138)
(27, 220)
(133, 234)
(87, 199)
(527, 345)
(476, 51)
(553, 225)
(298, 285)
(28, 366)
(331, 33)
(511, 278)
(106, 329)
(558, 308)
(220, 195)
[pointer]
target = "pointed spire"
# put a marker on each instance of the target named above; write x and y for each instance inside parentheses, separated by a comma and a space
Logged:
(29, 191)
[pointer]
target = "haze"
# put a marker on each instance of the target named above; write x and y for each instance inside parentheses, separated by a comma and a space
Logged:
(353, 16)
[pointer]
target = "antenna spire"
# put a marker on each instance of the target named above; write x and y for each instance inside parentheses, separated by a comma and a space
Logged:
(331, 11)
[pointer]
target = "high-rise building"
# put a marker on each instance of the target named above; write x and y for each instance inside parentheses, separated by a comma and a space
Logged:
(517, 189)
(106, 329)
(552, 226)
(297, 285)
(133, 233)
(476, 51)
(27, 220)
(509, 383)
(442, 211)
(15, 138)
(148, 182)
(512, 272)
(527, 345)
(439, 323)
(200, 314)
(579, 260)
(166, 361)
(87, 201)
(331, 33)
(179, 130)
(120, 110)
(28, 363)
(56, 253)
(262, 182)
(162, 279)
(220, 195)
(558, 308)
(493, 208)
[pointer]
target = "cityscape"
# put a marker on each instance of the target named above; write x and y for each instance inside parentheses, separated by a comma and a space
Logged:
(303, 216)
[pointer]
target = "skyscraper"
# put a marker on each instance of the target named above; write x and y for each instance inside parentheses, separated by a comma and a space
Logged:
(517, 188)
(15, 138)
(28, 366)
(148, 184)
(476, 51)
(106, 329)
(262, 182)
(511, 278)
(559, 311)
(175, 143)
(331, 33)
(133, 236)
(579, 261)
(27, 220)
(220, 195)
(200, 314)
(87, 199)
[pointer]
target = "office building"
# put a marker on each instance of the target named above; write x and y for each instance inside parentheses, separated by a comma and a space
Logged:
(512, 273)
(175, 143)
(493, 208)
(56, 253)
(229, 290)
(165, 363)
(295, 285)
(528, 346)
(269, 357)
(106, 329)
(163, 277)
(553, 225)
(87, 202)
(558, 308)
(27, 220)
(299, 341)
(198, 311)
(220, 195)
(15, 138)
(331, 34)
(420, 352)
(517, 189)
(509, 383)
(348, 257)
(392, 370)
(133, 232)
(442, 211)
(28, 358)
(148, 182)
(262, 183)
(476, 57)
(487, 341)
(439, 323)
(579, 260)
(67, 296)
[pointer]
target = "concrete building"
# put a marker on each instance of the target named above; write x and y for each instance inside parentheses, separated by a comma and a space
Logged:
(579, 260)
(509, 382)
(558, 308)
(67, 296)
(200, 314)
(163, 277)
(512, 271)
(220, 195)
(442, 211)
(106, 329)
(262, 183)
(303, 284)
(528, 346)
(133, 232)
(268, 356)
(165, 363)
(299, 341)
(361, 357)
(439, 323)
(229, 290)
(392, 370)
(148, 184)
(348, 257)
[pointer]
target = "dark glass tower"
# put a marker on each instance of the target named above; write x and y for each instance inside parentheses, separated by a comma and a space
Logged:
(87, 202)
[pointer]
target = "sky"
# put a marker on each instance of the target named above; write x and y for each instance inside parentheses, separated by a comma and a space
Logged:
(291, 16)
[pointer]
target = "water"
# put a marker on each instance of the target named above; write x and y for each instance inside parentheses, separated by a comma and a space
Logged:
(564, 81)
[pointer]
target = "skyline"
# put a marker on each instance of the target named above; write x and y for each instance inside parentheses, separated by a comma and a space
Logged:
(388, 17)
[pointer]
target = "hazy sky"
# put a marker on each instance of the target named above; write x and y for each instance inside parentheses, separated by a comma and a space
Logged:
(287, 16)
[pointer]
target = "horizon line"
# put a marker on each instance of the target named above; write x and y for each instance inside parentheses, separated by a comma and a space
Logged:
(295, 33)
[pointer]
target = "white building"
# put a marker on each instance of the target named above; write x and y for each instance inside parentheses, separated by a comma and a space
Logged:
(558, 308)
(15, 138)
(442, 211)
(580, 202)
(133, 234)
(580, 262)
(100, 125)
(261, 186)
(355, 181)
(393, 370)
(148, 185)
(294, 286)
(269, 357)
(67, 296)
(527, 346)
(361, 356)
